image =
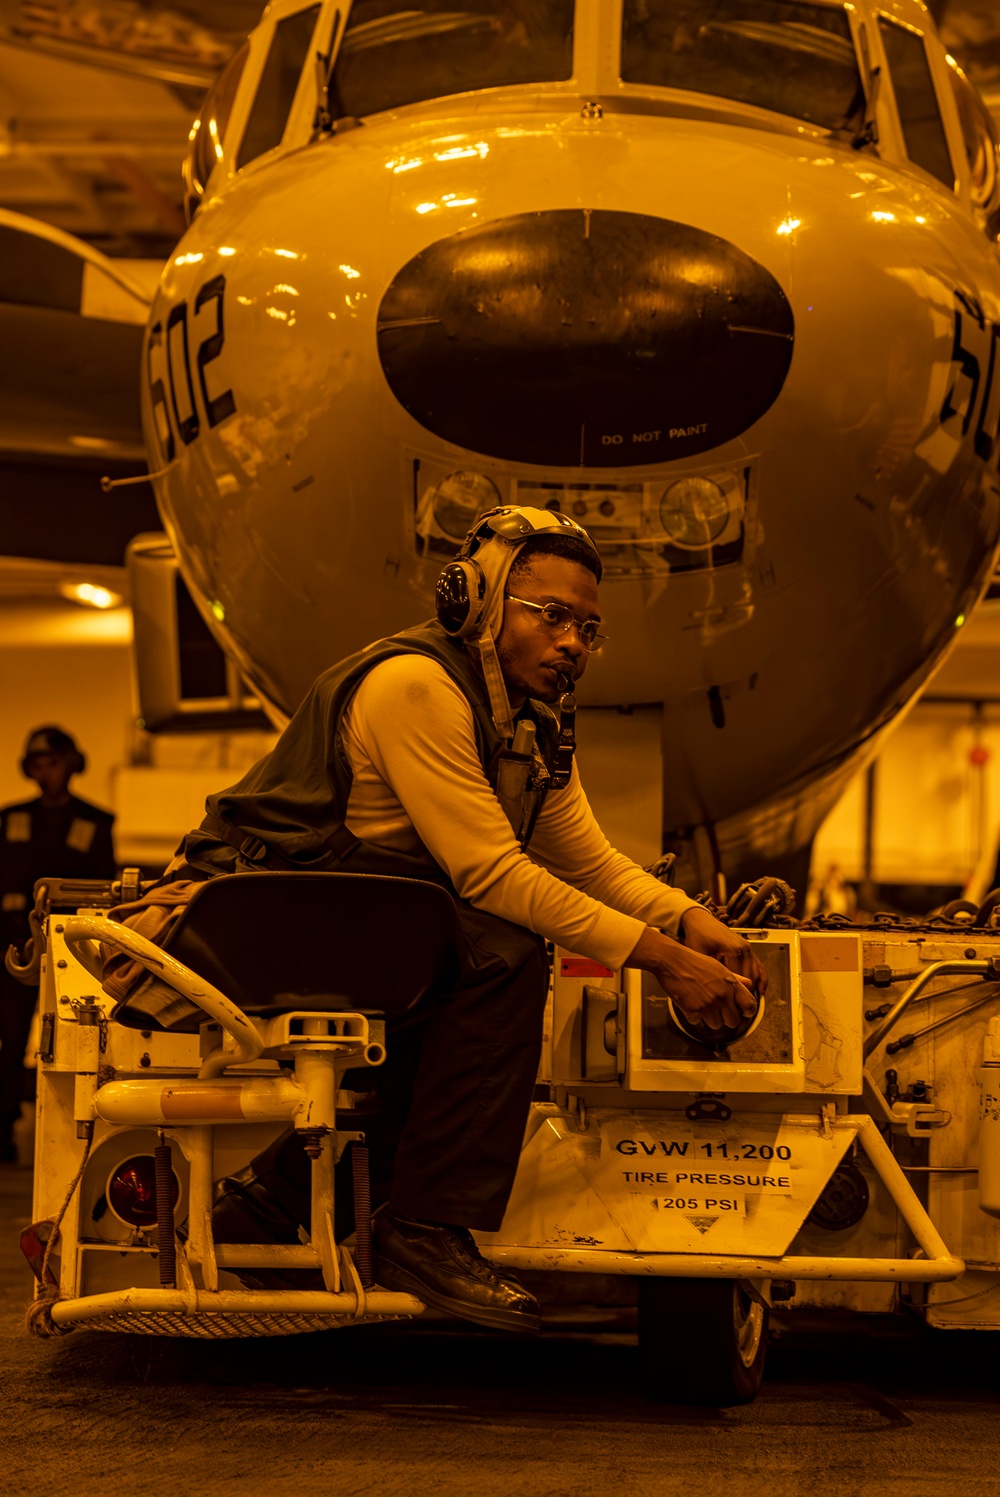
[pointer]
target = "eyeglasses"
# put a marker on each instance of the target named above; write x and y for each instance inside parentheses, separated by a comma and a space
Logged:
(557, 619)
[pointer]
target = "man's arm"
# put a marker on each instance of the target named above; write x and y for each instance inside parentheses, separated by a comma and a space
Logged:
(569, 842)
(702, 932)
(416, 727)
(697, 982)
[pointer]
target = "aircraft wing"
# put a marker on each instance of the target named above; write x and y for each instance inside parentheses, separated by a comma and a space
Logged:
(71, 327)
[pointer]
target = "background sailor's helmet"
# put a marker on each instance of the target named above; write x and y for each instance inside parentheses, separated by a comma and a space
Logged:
(470, 590)
(52, 740)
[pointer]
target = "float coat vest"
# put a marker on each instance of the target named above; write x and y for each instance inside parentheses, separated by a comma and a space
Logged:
(288, 811)
(37, 841)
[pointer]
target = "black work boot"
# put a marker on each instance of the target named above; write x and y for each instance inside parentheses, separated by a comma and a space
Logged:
(245, 1211)
(443, 1266)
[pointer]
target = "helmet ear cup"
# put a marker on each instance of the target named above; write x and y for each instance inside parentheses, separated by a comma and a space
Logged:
(460, 598)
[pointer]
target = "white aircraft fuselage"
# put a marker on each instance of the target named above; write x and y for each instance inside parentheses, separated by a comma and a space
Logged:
(753, 356)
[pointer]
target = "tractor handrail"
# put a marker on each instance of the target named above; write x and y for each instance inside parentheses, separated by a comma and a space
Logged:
(936, 969)
(82, 935)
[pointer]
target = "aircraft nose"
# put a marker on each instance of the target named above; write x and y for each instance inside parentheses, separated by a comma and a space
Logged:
(585, 337)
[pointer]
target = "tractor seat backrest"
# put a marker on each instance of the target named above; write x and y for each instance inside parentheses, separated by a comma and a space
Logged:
(275, 942)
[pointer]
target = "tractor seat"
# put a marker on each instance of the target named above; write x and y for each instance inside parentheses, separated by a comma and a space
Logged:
(278, 942)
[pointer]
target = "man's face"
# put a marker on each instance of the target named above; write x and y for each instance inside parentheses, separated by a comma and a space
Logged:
(532, 657)
(51, 772)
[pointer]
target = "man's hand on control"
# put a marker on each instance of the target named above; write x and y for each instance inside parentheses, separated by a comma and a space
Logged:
(699, 984)
(702, 932)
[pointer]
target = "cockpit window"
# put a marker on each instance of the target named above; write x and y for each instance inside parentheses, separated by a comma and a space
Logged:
(402, 53)
(919, 114)
(979, 136)
(278, 82)
(797, 59)
(209, 130)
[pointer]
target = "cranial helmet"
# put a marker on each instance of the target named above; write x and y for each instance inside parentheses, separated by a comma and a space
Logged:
(51, 740)
(470, 590)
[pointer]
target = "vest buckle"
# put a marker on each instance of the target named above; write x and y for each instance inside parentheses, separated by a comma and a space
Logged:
(253, 849)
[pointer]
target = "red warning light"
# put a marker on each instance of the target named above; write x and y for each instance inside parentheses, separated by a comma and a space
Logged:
(132, 1191)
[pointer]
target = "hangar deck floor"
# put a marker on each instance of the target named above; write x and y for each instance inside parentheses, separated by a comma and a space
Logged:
(434, 1409)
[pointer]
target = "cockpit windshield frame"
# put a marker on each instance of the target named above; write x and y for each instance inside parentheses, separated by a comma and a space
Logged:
(981, 142)
(593, 65)
(208, 133)
(297, 107)
(387, 62)
(925, 141)
(742, 95)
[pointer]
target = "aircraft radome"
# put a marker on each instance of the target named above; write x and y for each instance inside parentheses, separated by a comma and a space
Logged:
(717, 277)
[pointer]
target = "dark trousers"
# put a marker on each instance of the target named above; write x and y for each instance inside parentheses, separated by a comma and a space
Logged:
(452, 1095)
(17, 1007)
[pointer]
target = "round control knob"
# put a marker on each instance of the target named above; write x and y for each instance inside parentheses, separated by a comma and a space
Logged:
(715, 1039)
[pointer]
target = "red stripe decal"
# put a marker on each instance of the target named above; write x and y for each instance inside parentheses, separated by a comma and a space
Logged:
(582, 966)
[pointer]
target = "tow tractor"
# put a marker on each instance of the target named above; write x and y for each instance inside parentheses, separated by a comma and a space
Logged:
(840, 1150)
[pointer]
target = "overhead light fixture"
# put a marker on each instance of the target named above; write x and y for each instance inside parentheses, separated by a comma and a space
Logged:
(91, 594)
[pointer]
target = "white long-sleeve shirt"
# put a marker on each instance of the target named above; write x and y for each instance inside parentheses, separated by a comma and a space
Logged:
(419, 788)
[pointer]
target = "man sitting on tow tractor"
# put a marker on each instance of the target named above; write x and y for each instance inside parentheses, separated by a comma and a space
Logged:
(435, 754)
